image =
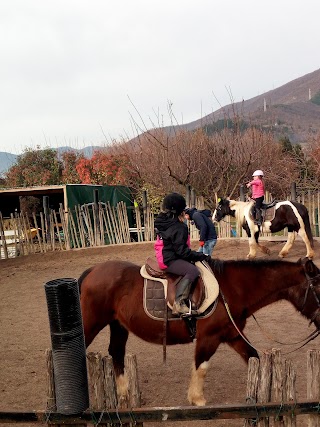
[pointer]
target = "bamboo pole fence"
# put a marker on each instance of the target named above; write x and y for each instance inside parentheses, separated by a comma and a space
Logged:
(101, 224)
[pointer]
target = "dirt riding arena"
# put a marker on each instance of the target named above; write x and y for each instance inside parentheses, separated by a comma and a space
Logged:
(24, 334)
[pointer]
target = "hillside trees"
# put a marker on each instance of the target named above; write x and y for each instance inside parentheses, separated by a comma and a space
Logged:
(35, 167)
(313, 152)
(214, 165)
(161, 161)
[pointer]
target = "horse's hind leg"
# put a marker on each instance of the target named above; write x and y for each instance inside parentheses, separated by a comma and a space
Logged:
(310, 252)
(117, 349)
(290, 240)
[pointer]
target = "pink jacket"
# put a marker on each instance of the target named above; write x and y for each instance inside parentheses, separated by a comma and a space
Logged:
(158, 246)
(257, 186)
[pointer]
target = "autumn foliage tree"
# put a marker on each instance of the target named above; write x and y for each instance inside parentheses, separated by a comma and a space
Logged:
(103, 168)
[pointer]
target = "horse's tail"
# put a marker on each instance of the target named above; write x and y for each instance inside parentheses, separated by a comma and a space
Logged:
(303, 211)
(83, 276)
(307, 226)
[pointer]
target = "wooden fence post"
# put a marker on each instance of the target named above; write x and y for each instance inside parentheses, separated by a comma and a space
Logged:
(293, 195)
(264, 389)
(289, 391)
(252, 382)
(277, 384)
(313, 382)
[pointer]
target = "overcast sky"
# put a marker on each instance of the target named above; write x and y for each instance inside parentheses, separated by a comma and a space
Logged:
(83, 73)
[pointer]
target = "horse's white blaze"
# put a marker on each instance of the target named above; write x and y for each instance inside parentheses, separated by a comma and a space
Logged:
(122, 385)
(214, 215)
(195, 392)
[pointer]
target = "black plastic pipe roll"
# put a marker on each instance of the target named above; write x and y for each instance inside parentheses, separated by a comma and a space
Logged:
(68, 346)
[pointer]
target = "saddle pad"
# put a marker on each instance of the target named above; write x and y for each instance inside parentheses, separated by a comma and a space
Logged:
(155, 293)
(154, 301)
(211, 286)
(270, 214)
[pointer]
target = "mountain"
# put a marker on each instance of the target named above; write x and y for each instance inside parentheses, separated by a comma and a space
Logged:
(6, 161)
(291, 110)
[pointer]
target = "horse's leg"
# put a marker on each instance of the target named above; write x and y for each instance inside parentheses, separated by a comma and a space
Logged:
(302, 233)
(205, 348)
(262, 248)
(290, 240)
(117, 348)
(249, 227)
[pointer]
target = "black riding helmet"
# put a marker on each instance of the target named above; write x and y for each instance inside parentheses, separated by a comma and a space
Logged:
(174, 203)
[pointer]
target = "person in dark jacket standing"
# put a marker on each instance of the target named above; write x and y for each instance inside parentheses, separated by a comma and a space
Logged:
(208, 234)
(173, 249)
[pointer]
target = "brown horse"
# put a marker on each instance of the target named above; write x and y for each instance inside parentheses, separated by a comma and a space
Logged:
(112, 294)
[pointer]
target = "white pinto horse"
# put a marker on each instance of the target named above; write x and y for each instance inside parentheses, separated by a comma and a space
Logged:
(291, 215)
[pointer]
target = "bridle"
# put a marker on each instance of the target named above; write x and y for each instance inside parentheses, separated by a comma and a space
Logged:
(304, 341)
(316, 332)
(311, 286)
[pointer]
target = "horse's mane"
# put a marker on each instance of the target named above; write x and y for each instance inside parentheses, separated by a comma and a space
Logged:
(83, 276)
(218, 266)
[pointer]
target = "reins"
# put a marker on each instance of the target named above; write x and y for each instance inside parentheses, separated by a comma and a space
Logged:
(304, 341)
(234, 323)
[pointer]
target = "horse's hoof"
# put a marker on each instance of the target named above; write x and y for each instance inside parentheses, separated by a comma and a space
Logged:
(283, 255)
(268, 252)
(198, 402)
(251, 256)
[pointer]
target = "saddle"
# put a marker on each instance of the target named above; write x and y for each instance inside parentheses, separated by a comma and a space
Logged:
(203, 294)
(269, 205)
(266, 215)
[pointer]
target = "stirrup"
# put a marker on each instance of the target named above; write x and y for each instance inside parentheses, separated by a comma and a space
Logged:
(189, 314)
(176, 312)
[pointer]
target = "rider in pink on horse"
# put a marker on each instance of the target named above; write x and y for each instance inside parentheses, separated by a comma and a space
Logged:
(257, 188)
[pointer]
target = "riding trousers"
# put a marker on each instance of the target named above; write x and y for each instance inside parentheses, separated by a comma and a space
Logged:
(259, 201)
(183, 268)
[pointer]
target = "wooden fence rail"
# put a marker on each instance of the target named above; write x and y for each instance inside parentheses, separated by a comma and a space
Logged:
(166, 414)
(270, 397)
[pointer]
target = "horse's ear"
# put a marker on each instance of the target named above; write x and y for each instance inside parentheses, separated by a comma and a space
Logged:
(309, 267)
(232, 203)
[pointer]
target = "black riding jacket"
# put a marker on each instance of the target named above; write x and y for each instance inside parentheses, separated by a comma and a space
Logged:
(175, 236)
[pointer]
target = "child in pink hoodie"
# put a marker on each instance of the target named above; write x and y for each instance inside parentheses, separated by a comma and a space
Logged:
(257, 188)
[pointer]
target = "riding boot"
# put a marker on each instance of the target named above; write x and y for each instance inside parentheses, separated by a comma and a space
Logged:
(258, 217)
(182, 294)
